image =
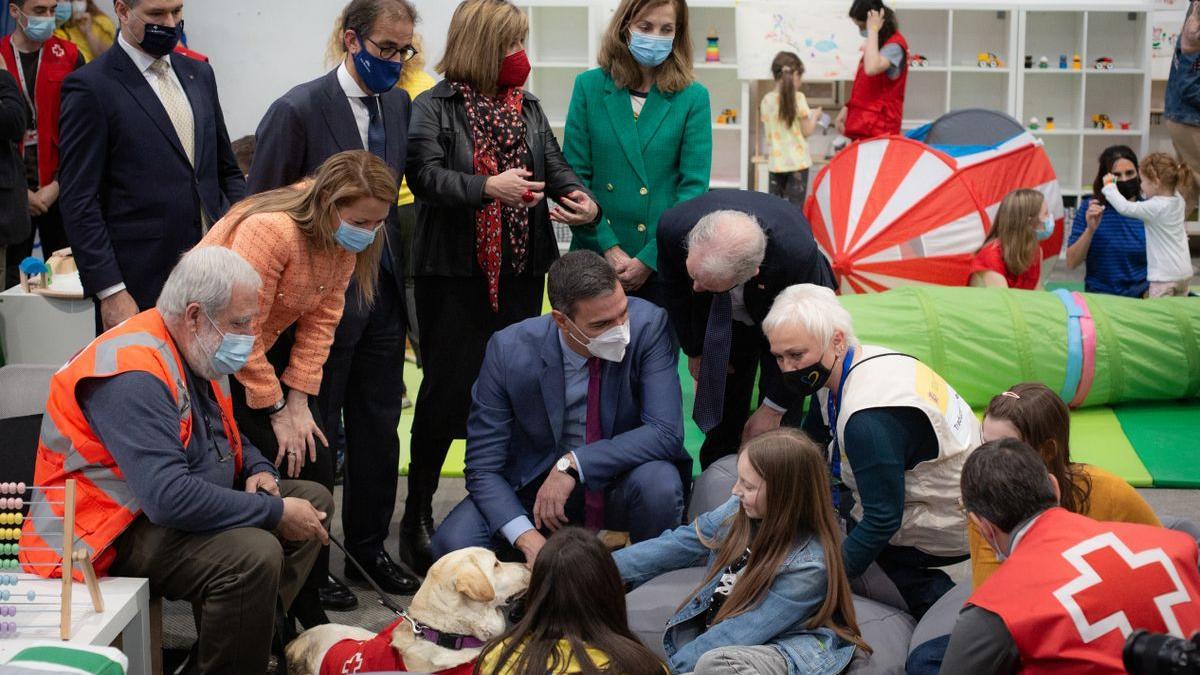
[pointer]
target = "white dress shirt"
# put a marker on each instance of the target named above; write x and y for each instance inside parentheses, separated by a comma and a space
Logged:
(142, 61)
(358, 102)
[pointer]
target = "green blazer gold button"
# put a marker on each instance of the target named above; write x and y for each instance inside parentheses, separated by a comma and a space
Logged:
(641, 227)
(644, 192)
(610, 187)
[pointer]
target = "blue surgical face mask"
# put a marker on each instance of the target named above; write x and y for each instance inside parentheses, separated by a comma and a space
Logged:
(1047, 229)
(233, 352)
(380, 75)
(63, 12)
(354, 239)
(650, 50)
(863, 32)
(38, 28)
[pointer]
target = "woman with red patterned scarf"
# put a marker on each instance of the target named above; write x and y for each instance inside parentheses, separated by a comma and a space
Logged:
(484, 166)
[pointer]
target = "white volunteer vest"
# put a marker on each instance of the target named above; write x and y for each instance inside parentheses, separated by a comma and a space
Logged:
(933, 521)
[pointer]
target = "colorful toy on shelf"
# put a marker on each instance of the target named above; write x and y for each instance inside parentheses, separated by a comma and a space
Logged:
(1126, 125)
(1102, 121)
(1104, 63)
(728, 116)
(1043, 63)
(1033, 123)
(1049, 124)
(1062, 61)
(989, 60)
(1077, 63)
(918, 61)
(1028, 61)
(712, 53)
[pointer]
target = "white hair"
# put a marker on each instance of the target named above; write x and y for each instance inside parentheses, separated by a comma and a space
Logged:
(206, 276)
(813, 308)
(733, 245)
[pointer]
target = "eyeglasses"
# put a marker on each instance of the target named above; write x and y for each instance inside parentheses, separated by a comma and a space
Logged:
(406, 53)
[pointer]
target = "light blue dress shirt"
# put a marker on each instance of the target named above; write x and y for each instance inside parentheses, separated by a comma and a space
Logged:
(574, 428)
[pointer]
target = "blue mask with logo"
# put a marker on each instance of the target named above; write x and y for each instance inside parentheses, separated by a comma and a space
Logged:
(38, 28)
(1046, 230)
(354, 239)
(650, 50)
(380, 75)
(233, 352)
(63, 13)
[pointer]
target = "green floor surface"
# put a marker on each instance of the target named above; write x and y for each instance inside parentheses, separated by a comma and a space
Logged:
(1166, 435)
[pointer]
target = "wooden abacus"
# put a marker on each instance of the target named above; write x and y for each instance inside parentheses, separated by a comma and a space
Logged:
(71, 557)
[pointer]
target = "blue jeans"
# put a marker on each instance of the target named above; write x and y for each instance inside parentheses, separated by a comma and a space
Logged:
(645, 501)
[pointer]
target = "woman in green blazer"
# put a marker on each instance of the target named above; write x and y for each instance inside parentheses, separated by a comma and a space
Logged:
(639, 135)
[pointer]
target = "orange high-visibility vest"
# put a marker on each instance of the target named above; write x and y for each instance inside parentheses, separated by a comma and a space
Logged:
(68, 448)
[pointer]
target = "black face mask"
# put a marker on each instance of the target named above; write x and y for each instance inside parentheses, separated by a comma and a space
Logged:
(159, 40)
(1130, 189)
(807, 381)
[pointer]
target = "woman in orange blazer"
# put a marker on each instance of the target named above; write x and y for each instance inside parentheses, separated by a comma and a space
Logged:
(305, 241)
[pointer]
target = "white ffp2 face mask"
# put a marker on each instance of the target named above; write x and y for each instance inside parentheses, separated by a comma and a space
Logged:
(609, 345)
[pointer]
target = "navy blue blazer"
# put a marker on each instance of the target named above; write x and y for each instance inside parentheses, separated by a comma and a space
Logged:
(792, 258)
(312, 122)
(130, 200)
(517, 408)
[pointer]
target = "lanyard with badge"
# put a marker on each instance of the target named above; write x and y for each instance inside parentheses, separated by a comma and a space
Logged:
(31, 135)
(833, 404)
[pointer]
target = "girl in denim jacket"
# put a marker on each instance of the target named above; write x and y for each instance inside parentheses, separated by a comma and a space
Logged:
(776, 598)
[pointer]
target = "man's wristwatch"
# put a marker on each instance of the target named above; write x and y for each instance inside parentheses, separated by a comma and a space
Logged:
(564, 465)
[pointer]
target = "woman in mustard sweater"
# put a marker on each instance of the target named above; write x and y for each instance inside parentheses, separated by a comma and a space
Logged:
(1031, 412)
(639, 135)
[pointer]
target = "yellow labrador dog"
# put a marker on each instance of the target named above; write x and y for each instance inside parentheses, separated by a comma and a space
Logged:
(458, 605)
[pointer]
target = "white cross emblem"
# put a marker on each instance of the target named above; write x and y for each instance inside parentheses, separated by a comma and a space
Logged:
(1151, 564)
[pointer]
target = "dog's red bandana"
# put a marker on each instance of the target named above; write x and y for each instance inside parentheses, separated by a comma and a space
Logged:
(374, 656)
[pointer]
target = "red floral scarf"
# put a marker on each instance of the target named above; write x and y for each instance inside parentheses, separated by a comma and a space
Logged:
(498, 134)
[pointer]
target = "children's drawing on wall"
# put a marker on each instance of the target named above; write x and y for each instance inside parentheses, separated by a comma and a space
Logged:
(816, 30)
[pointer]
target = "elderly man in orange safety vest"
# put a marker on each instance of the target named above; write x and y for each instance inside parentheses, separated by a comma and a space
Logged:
(167, 487)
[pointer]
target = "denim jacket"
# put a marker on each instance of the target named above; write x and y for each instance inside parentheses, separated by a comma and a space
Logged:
(778, 620)
(1183, 88)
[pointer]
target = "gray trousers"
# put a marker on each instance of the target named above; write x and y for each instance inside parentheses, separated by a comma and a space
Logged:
(762, 660)
(231, 577)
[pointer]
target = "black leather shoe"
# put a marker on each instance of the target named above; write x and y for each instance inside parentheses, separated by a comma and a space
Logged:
(415, 547)
(390, 576)
(337, 596)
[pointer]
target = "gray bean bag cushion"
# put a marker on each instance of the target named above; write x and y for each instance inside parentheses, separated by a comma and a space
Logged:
(712, 487)
(887, 629)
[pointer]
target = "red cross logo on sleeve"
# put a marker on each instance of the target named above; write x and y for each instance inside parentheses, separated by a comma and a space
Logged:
(1094, 602)
(353, 664)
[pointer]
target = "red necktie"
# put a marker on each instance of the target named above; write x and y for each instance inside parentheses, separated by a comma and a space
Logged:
(593, 504)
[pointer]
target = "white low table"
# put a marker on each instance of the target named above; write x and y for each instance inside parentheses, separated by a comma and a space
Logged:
(39, 329)
(126, 613)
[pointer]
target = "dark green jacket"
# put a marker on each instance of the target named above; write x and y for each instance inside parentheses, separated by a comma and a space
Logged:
(636, 169)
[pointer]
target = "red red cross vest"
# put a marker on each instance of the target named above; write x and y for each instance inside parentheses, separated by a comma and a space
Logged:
(375, 656)
(876, 105)
(1075, 588)
(56, 62)
(68, 448)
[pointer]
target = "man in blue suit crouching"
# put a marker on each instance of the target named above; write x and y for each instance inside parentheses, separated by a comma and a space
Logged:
(576, 418)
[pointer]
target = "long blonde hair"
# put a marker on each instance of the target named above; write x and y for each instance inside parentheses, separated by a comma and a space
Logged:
(671, 76)
(798, 504)
(1014, 227)
(314, 204)
(481, 33)
(1170, 173)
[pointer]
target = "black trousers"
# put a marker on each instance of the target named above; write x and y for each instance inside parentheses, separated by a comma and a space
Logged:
(362, 385)
(456, 321)
(792, 186)
(50, 226)
(255, 425)
(726, 437)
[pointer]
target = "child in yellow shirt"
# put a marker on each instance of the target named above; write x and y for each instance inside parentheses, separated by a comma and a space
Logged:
(788, 122)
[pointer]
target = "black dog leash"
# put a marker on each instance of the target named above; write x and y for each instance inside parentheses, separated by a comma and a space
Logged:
(383, 597)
